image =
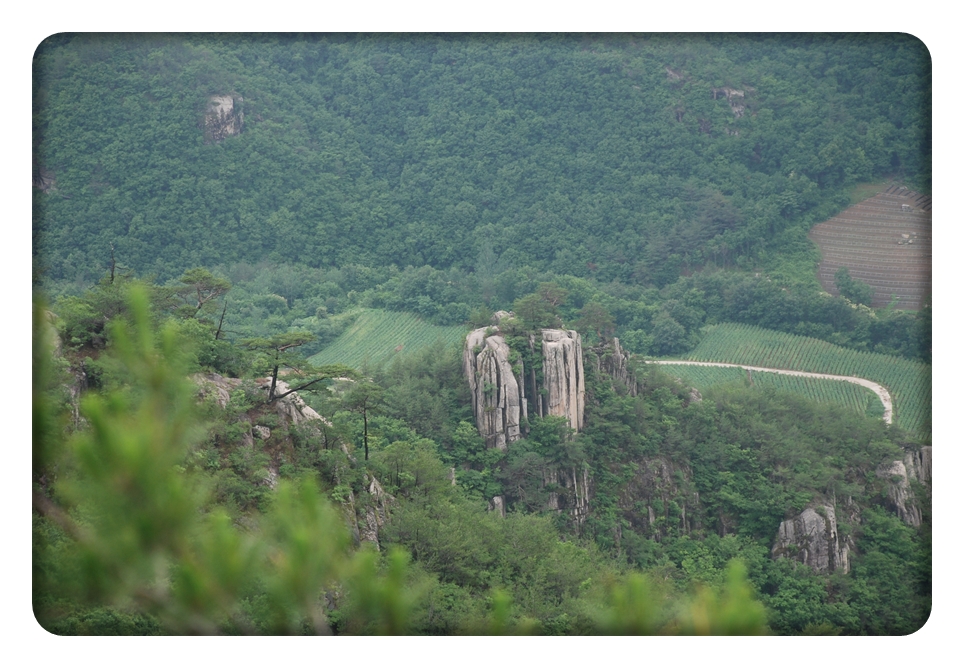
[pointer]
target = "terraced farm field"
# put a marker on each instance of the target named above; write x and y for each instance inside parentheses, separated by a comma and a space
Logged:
(909, 383)
(885, 241)
(377, 336)
(854, 397)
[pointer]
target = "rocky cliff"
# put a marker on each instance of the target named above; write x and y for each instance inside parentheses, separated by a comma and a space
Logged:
(898, 474)
(505, 392)
(812, 538)
(571, 490)
(223, 118)
(563, 391)
(502, 387)
(611, 359)
(498, 391)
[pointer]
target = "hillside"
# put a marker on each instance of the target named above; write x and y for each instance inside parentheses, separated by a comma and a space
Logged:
(351, 334)
(884, 241)
(858, 399)
(628, 157)
(909, 383)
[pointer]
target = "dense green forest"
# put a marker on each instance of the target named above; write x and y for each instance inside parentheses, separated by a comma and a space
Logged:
(635, 187)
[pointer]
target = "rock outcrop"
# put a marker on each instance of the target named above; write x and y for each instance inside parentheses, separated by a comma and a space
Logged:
(500, 385)
(734, 97)
(364, 520)
(611, 359)
(498, 393)
(376, 513)
(502, 388)
(223, 117)
(570, 490)
(563, 376)
(918, 464)
(812, 538)
(660, 496)
(897, 476)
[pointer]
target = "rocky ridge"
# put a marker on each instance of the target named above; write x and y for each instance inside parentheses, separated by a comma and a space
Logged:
(364, 521)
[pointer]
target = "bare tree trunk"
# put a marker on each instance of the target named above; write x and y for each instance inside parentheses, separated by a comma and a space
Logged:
(274, 383)
(217, 334)
(365, 420)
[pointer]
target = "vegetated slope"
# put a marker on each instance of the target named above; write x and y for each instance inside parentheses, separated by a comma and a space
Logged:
(377, 336)
(909, 382)
(885, 241)
(857, 398)
(632, 157)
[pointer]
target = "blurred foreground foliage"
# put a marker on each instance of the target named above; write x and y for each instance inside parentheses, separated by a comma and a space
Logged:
(128, 540)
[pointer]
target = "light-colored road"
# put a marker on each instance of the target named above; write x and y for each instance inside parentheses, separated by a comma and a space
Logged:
(879, 390)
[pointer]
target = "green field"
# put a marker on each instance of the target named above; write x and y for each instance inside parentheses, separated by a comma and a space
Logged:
(854, 397)
(909, 383)
(376, 336)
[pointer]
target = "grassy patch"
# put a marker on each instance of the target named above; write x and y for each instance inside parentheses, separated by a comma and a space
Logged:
(377, 336)
(863, 191)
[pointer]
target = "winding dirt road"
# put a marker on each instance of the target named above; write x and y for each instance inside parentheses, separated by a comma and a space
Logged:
(879, 390)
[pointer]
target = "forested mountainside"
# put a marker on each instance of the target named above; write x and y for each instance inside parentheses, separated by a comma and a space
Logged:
(617, 157)
(347, 333)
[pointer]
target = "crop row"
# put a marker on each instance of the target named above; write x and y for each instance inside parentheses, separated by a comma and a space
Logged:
(909, 382)
(376, 336)
(876, 238)
(887, 251)
(905, 278)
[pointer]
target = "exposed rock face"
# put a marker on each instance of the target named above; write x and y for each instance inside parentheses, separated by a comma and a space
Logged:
(734, 97)
(812, 539)
(292, 407)
(212, 384)
(222, 118)
(291, 410)
(376, 513)
(363, 521)
(501, 407)
(918, 464)
(498, 390)
(612, 360)
(497, 504)
(563, 375)
(498, 399)
(659, 496)
(899, 493)
(572, 489)
(44, 179)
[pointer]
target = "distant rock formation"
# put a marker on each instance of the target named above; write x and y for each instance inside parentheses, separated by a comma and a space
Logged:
(564, 378)
(498, 386)
(812, 538)
(571, 490)
(498, 393)
(502, 387)
(734, 97)
(223, 118)
(611, 359)
(660, 497)
(916, 465)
